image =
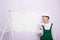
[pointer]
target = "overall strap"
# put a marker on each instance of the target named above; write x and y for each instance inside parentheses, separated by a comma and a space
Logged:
(51, 26)
(43, 27)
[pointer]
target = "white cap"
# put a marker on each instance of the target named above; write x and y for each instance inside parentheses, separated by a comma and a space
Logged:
(45, 14)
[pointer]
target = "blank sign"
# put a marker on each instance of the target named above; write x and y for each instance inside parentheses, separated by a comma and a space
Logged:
(25, 21)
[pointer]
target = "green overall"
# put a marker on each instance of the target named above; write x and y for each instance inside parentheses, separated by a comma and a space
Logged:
(47, 34)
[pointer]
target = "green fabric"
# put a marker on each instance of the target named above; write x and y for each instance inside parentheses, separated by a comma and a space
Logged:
(47, 34)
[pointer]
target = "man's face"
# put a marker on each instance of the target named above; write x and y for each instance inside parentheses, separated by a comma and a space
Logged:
(45, 18)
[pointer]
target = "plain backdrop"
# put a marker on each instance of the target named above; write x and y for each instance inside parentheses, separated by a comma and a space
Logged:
(31, 10)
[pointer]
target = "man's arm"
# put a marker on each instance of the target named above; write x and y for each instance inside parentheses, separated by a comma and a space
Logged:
(40, 31)
(53, 32)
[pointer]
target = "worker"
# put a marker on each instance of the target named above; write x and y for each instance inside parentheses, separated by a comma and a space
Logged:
(46, 28)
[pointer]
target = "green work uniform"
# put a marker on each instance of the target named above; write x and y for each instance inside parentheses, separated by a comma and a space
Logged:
(47, 34)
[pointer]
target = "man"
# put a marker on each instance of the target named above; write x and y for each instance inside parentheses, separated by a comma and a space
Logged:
(46, 28)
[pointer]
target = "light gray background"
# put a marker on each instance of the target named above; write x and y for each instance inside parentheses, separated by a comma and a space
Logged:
(50, 6)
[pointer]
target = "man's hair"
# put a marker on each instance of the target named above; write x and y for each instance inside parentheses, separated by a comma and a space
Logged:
(48, 17)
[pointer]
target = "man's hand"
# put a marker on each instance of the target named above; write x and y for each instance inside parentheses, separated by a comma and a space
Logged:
(40, 28)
